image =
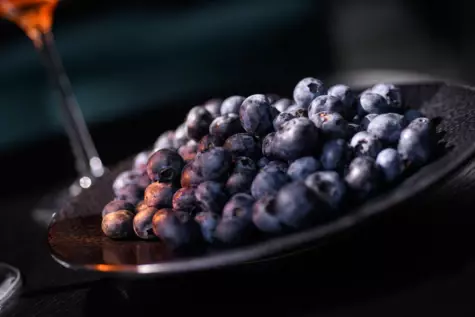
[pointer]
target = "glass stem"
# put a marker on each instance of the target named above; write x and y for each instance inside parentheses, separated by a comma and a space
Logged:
(88, 163)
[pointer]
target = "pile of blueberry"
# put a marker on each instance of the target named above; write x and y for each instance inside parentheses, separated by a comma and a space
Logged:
(241, 168)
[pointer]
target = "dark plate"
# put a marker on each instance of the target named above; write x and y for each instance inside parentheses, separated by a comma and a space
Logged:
(77, 242)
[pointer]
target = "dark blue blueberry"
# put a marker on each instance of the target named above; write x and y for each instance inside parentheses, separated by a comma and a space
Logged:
(263, 161)
(326, 103)
(176, 229)
(372, 103)
(159, 195)
(391, 93)
(165, 166)
(412, 114)
(118, 225)
(363, 176)
(356, 119)
(272, 98)
(207, 142)
(297, 138)
(281, 119)
(132, 193)
(140, 162)
(268, 147)
(387, 127)
(181, 136)
(245, 165)
(239, 183)
(308, 89)
(224, 126)
(184, 199)
(214, 165)
(268, 183)
(298, 112)
(243, 144)
(352, 129)
(363, 143)
(297, 206)
(276, 166)
(191, 176)
(234, 231)
(282, 104)
(239, 206)
(256, 115)
(264, 215)
(331, 124)
(366, 121)
(143, 227)
(335, 155)
(390, 163)
(188, 151)
(231, 105)
(423, 126)
(125, 179)
(211, 196)
(116, 205)
(328, 186)
(197, 122)
(302, 167)
(214, 106)
(165, 141)
(343, 93)
(208, 222)
(414, 147)
(296, 108)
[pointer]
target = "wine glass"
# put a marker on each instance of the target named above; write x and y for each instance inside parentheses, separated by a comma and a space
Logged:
(35, 18)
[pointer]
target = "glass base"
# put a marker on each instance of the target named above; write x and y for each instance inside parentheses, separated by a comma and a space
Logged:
(10, 284)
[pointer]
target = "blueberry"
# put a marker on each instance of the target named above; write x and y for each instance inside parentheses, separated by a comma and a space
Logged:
(391, 93)
(414, 147)
(387, 127)
(296, 108)
(356, 119)
(423, 126)
(211, 196)
(256, 115)
(264, 215)
(276, 166)
(363, 177)
(234, 231)
(331, 124)
(214, 107)
(281, 119)
(224, 126)
(116, 205)
(366, 121)
(215, 164)
(328, 186)
(268, 183)
(207, 142)
(335, 155)
(326, 103)
(184, 200)
(239, 206)
(143, 227)
(263, 161)
(372, 103)
(298, 112)
(208, 222)
(268, 145)
(343, 93)
(272, 98)
(197, 122)
(412, 114)
(297, 206)
(118, 225)
(364, 143)
(165, 166)
(302, 167)
(181, 136)
(165, 141)
(390, 163)
(243, 144)
(190, 176)
(351, 129)
(125, 179)
(188, 151)
(159, 195)
(132, 193)
(140, 162)
(176, 231)
(231, 105)
(245, 165)
(308, 89)
(297, 138)
(282, 104)
(239, 183)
